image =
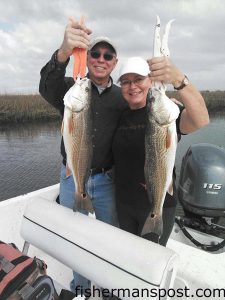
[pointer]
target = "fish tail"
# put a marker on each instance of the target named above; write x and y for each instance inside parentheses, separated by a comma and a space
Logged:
(83, 202)
(76, 65)
(80, 58)
(83, 54)
(153, 224)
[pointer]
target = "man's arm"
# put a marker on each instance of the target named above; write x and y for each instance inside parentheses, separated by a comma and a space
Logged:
(53, 83)
(76, 36)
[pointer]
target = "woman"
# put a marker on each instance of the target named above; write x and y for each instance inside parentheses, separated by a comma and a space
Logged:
(133, 205)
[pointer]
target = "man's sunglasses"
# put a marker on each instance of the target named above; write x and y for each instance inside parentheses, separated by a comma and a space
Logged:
(107, 56)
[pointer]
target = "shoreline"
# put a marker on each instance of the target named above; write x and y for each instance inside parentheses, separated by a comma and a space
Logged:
(25, 109)
(33, 108)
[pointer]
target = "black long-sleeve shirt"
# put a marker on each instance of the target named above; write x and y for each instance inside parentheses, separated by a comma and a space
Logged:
(106, 109)
(129, 156)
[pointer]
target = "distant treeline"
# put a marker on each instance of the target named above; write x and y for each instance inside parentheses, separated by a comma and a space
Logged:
(27, 108)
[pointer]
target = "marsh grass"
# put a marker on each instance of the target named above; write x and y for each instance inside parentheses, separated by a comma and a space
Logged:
(214, 100)
(29, 108)
(26, 108)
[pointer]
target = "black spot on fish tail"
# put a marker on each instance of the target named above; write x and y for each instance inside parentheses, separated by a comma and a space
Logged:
(143, 185)
(153, 224)
(83, 202)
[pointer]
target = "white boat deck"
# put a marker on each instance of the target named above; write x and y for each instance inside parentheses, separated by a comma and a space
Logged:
(199, 271)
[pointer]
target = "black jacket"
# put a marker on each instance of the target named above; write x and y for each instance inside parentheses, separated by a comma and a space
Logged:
(106, 109)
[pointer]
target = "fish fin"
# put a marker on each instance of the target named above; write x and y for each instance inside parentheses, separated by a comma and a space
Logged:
(168, 139)
(153, 224)
(68, 171)
(62, 126)
(170, 188)
(70, 124)
(83, 202)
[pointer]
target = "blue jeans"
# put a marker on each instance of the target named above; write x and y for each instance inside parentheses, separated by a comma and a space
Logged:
(100, 188)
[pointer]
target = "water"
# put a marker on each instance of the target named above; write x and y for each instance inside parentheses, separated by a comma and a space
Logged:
(30, 154)
(29, 158)
(214, 133)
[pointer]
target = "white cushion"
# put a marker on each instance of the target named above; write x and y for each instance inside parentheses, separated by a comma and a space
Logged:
(108, 256)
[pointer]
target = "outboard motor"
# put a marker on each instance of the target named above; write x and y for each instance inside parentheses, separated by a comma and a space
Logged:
(201, 191)
(201, 187)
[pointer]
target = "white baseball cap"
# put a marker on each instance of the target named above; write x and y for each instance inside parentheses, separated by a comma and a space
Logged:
(135, 65)
(102, 39)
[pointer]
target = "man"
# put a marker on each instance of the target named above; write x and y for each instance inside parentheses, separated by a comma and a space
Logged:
(107, 106)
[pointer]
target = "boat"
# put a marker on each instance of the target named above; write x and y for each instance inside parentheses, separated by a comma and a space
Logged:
(191, 266)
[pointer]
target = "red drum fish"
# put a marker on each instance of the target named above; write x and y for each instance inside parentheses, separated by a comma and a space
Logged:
(76, 129)
(160, 142)
(77, 138)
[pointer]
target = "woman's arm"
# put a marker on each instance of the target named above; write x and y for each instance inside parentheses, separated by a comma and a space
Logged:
(195, 115)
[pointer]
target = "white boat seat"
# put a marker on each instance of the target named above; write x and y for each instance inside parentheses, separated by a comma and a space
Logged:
(108, 256)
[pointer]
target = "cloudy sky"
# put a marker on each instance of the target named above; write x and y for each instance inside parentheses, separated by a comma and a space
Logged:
(30, 31)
